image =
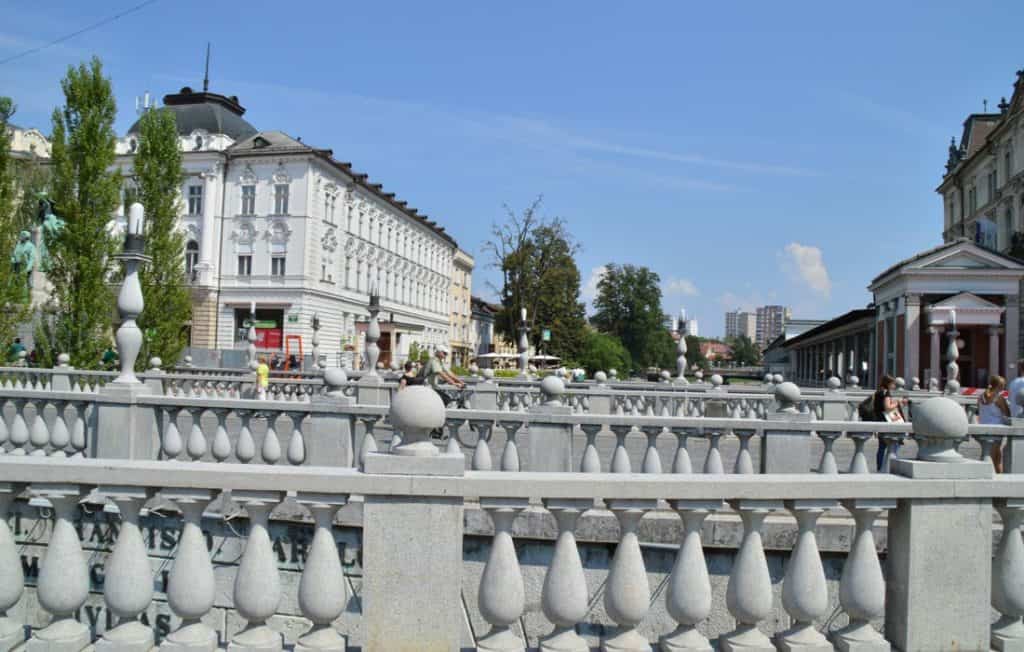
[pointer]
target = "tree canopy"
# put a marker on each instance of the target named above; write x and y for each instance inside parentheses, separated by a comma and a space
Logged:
(744, 351)
(628, 306)
(602, 352)
(14, 197)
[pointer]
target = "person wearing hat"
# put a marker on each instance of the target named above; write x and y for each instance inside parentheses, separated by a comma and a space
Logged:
(437, 372)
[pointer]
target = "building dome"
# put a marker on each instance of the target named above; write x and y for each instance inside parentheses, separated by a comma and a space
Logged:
(210, 112)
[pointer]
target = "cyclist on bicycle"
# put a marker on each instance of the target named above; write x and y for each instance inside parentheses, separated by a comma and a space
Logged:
(435, 372)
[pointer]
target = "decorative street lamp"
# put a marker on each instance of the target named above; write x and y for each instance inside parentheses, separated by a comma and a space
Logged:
(316, 341)
(250, 336)
(373, 335)
(524, 345)
(129, 300)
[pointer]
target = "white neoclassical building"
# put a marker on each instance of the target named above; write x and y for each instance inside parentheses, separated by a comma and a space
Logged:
(284, 226)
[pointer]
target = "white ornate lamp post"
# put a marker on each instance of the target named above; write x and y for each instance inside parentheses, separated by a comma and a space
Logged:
(250, 336)
(129, 300)
(316, 340)
(372, 336)
(524, 345)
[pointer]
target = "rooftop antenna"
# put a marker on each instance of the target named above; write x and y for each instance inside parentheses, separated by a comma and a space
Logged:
(206, 75)
(984, 103)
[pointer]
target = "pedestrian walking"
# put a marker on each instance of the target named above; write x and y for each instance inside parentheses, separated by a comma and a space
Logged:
(262, 378)
(889, 409)
(994, 410)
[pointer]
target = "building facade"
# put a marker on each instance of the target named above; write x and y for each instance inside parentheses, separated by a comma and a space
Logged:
(283, 227)
(461, 293)
(983, 185)
(739, 323)
(770, 323)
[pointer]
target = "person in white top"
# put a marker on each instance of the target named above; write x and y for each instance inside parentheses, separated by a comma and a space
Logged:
(993, 410)
(1017, 384)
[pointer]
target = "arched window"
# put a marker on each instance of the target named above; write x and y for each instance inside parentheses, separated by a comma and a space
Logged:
(191, 259)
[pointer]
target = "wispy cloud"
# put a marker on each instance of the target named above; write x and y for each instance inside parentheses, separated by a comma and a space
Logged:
(681, 286)
(806, 264)
(589, 289)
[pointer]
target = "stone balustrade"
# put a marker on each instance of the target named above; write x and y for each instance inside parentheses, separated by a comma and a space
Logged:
(559, 591)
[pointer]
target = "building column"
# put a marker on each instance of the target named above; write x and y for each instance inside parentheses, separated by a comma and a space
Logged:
(205, 264)
(911, 337)
(936, 343)
(993, 351)
(1012, 337)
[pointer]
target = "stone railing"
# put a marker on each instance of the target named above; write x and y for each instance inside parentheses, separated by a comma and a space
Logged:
(935, 591)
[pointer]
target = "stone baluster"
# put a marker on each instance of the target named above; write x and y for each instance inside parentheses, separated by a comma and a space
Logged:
(749, 593)
(859, 461)
(510, 455)
(688, 597)
(5, 433)
(744, 464)
(620, 458)
(196, 445)
(296, 451)
(482, 453)
(323, 589)
(369, 443)
(652, 461)
(270, 450)
(828, 465)
(40, 434)
(19, 429)
(502, 596)
(1008, 578)
(627, 593)
(221, 448)
(190, 585)
(60, 436)
(804, 591)
(245, 445)
(681, 461)
(80, 429)
(12, 577)
(564, 599)
(713, 461)
(591, 462)
(454, 425)
(128, 580)
(257, 590)
(63, 583)
(862, 586)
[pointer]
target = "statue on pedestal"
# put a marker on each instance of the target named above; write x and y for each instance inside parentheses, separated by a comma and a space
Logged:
(23, 260)
(50, 226)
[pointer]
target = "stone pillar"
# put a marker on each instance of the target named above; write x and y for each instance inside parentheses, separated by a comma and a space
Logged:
(783, 450)
(550, 443)
(485, 393)
(939, 547)
(993, 351)
(400, 532)
(935, 359)
(1012, 336)
(329, 441)
(911, 336)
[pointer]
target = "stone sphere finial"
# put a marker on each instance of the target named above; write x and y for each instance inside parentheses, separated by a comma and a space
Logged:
(187, 360)
(601, 377)
(335, 378)
(474, 369)
(834, 383)
(613, 374)
(63, 360)
(939, 423)
(854, 381)
(552, 388)
(155, 363)
(767, 379)
(488, 374)
(933, 384)
(787, 395)
(953, 387)
(415, 412)
(900, 383)
(699, 375)
(915, 383)
(666, 376)
(716, 381)
(777, 378)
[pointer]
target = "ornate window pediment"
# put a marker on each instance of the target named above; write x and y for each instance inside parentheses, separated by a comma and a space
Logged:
(281, 174)
(244, 236)
(248, 176)
(278, 235)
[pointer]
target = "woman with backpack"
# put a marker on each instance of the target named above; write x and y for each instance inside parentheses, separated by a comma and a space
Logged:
(994, 410)
(887, 409)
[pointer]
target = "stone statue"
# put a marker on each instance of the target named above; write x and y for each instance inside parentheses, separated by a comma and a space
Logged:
(50, 228)
(23, 258)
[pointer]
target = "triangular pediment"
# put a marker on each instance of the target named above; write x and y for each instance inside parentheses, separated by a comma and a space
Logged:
(964, 255)
(965, 301)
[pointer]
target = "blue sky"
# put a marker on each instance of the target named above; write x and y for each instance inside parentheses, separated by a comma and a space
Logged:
(748, 152)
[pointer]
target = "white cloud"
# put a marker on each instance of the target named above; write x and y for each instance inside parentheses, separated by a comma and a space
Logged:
(804, 263)
(683, 286)
(589, 290)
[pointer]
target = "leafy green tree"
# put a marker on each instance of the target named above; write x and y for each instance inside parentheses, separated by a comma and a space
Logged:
(628, 306)
(13, 296)
(536, 257)
(85, 192)
(744, 351)
(158, 176)
(602, 352)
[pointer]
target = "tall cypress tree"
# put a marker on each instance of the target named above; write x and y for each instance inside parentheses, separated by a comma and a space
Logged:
(13, 295)
(158, 175)
(85, 192)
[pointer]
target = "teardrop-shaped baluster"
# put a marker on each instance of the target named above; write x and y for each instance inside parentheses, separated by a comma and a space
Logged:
(191, 586)
(323, 589)
(271, 449)
(862, 585)
(744, 465)
(688, 598)
(859, 461)
(620, 458)
(828, 465)
(128, 580)
(502, 596)
(245, 447)
(804, 591)
(257, 590)
(19, 430)
(60, 437)
(564, 598)
(369, 442)
(627, 593)
(591, 462)
(749, 592)
(1007, 577)
(171, 443)
(482, 453)
(221, 448)
(63, 583)
(80, 430)
(452, 447)
(510, 455)
(713, 461)
(681, 462)
(5, 433)
(652, 460)
(196, 446)
(296, 444)
(40, 434)
(12, 578)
